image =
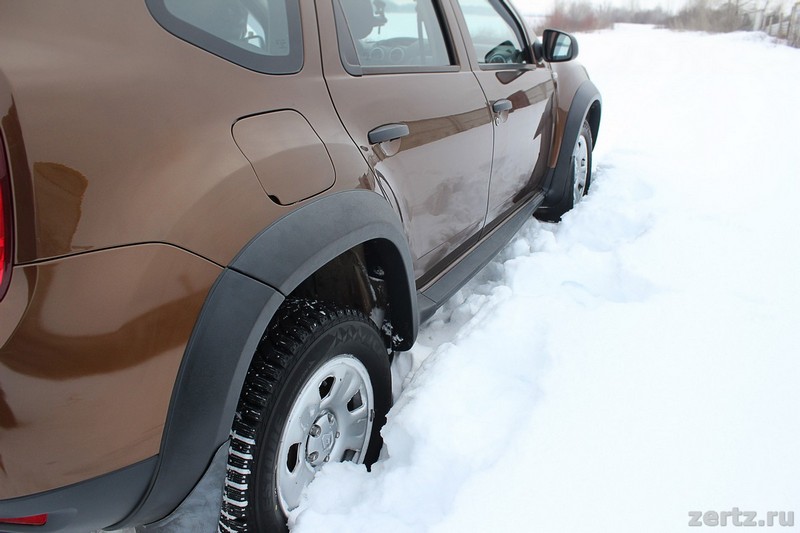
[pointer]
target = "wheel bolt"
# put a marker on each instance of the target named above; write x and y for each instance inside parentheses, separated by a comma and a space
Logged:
(313, 456)
(330, 418)
(338, 434)
(315, 431)
(327, 458)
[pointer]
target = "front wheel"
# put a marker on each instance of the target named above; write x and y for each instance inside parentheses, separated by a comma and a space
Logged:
(318, 391)
(579, 177)
(581, 161)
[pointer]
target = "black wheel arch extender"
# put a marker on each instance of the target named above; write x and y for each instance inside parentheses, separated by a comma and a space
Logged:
(557, 183)
(236, 313)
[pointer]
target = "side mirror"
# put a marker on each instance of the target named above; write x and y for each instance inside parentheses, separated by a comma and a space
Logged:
(559, 46)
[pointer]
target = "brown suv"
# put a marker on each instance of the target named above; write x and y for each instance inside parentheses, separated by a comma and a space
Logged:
(220, 218)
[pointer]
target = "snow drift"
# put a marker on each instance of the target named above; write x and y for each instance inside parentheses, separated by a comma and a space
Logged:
(637, 361)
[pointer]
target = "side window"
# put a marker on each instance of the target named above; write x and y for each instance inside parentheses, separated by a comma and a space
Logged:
(396, 33)
(262, 35)
(495, 35)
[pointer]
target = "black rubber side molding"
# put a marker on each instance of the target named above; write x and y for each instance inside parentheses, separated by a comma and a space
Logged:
(86, 506)
(439, 292)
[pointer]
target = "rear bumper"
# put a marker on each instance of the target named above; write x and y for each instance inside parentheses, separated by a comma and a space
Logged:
(93, 504)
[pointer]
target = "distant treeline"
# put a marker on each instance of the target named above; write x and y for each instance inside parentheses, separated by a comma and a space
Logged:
(699, 15)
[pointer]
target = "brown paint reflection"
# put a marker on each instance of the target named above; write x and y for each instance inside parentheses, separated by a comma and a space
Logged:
(533, 96)
(7, 418)
(7, 421)
(426, 131)
(55, 193)
(540, 93)
(507, 76)
(101, 340)
(59, 193)
(545, 129)
(34, 351)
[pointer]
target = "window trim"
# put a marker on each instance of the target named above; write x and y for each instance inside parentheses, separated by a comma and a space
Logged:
(506, 66)
(265, 64)
(346, 45)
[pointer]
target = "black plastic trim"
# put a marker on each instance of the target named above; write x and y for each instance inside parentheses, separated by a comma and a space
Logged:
(231, 323)
(201, 506)
(557, 184)
(422, 69)
(92, 504)
(442, 289)
(299, 244)
(236, 313)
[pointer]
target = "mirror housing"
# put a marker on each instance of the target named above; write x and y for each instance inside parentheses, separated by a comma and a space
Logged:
(538, 50)
(559, 46)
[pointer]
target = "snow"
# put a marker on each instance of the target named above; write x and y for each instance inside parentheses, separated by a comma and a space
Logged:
(635, 362)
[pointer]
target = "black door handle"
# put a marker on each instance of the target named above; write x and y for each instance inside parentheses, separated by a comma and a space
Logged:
(387, 132)
(502, 105)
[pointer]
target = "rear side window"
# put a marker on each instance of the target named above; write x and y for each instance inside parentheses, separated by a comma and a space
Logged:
(401, 35)
(261, 35)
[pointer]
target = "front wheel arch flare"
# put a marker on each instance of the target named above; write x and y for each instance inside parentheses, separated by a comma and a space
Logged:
(586, 105)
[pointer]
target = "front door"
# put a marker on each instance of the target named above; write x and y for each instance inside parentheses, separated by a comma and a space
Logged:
(521, 93)
(404, 91)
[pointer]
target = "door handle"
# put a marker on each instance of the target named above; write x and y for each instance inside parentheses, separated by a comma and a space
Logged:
(387, 132)
(502, 105)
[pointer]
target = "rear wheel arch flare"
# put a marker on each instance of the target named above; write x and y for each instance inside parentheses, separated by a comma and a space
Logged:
(298, 245)
(239, 309)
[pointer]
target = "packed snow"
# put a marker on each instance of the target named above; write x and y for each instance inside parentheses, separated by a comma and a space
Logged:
(638, 361)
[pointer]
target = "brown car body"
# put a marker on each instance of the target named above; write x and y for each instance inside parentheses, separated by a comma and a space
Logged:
(166, 200)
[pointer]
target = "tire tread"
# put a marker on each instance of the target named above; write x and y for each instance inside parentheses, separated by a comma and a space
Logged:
(295, 324)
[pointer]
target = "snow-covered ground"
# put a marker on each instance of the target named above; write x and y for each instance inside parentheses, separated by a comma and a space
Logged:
(641, 359)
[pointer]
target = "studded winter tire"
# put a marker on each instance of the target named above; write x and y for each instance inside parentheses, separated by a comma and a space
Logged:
(317, 391)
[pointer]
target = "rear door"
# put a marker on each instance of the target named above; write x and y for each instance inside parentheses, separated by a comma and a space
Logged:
(405, 92)
(520, 92)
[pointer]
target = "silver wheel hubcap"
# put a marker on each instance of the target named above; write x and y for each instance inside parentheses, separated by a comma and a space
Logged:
(331, 420)
(580, 169)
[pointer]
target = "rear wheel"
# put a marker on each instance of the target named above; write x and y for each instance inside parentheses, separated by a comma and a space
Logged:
(317, 391)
